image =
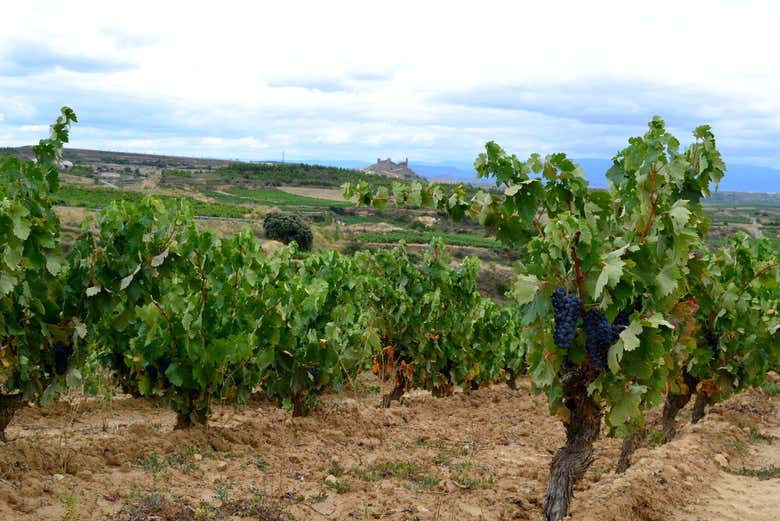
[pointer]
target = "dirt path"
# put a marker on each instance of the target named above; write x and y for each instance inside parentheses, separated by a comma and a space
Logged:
(735, 497)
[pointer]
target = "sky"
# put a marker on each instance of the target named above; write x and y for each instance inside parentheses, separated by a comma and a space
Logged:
(431, 81)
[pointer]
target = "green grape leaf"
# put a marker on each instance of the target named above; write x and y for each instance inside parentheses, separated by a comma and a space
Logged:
(666, 280)
(174, 374)
(679, 214)
(524, 288)
(629, 337)
(657, 320)
(7, 283)
(628, 407)
(611, 272)
(53, 263)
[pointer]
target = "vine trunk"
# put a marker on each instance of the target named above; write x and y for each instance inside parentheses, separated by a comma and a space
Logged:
(573, 459)
(9, 403)
(700, 406)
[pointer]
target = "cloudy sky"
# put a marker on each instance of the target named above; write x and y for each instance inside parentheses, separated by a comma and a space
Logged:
(431, 81)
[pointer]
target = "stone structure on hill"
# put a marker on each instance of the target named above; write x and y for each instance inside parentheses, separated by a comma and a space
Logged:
(387, 168)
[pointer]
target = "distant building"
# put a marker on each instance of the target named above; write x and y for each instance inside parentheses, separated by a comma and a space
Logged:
(387, 168)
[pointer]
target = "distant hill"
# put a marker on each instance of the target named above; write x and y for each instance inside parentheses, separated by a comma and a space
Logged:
(739, 178)
(388, 168)
(93, 157)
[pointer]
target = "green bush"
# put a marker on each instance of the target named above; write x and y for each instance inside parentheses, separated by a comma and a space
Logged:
(287, 228)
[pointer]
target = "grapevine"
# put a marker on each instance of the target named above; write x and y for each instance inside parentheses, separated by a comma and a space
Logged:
(617, 247)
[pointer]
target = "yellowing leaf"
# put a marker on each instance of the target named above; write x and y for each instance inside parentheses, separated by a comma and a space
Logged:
(157, 259)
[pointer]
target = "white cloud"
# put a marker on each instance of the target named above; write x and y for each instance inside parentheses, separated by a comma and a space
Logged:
(351, 79)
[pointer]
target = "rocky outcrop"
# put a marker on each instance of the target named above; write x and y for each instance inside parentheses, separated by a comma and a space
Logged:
(387, 168)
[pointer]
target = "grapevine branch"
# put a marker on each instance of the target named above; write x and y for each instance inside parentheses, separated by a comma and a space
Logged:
(167, 321)
(577, 268)
(759, 273)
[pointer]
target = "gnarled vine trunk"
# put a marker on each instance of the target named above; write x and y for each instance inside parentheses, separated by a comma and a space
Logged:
(398, 391)
(9, 403)
(630, 445)
(700, 406)
(573, 459)
(183, 421)
(673, 405)
(300, 407)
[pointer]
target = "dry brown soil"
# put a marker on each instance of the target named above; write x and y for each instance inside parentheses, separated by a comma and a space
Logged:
(484, 455)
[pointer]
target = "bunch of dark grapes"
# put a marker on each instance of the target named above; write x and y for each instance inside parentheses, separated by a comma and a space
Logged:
(599, 335)
(741, 372)
(689, 380)
(164, 362)
(712, 340)
(624, 317)
(568, 308)
(62, 353)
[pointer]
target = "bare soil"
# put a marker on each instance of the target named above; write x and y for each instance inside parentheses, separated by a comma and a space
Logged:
(483, 455)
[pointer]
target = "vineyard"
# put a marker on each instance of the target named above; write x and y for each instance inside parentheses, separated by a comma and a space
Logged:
(621, 315)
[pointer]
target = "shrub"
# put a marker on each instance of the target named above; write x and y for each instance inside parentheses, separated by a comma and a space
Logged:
(288, 227)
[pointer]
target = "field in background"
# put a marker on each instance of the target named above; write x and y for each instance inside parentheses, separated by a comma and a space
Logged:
(227, 195)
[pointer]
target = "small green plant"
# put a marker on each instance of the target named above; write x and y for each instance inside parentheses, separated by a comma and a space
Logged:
(740, 446)
(338, 485)
(396, 469)
(153, 463)
(770, 472)
(222, 488)
(70, 503)
(336, 469)
(464, 475)
(756, 435)
(260, 462)
(770, 389)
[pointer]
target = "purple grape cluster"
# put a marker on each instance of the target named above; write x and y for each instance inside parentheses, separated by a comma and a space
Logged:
(567, 308)
(624, 317)
(689, 380)
(62, 353)
(599, 335)
(712, 340)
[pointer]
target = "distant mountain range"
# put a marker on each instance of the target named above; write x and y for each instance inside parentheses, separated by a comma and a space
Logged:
(739, 178)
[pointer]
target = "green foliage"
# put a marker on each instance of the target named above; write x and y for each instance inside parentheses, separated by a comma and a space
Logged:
(287, 228)
(175, 313)
(737, 289)
(97, 198)
(325, 337)
(275, 174)
(31, 322)
(452, 239)
(438, 331)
